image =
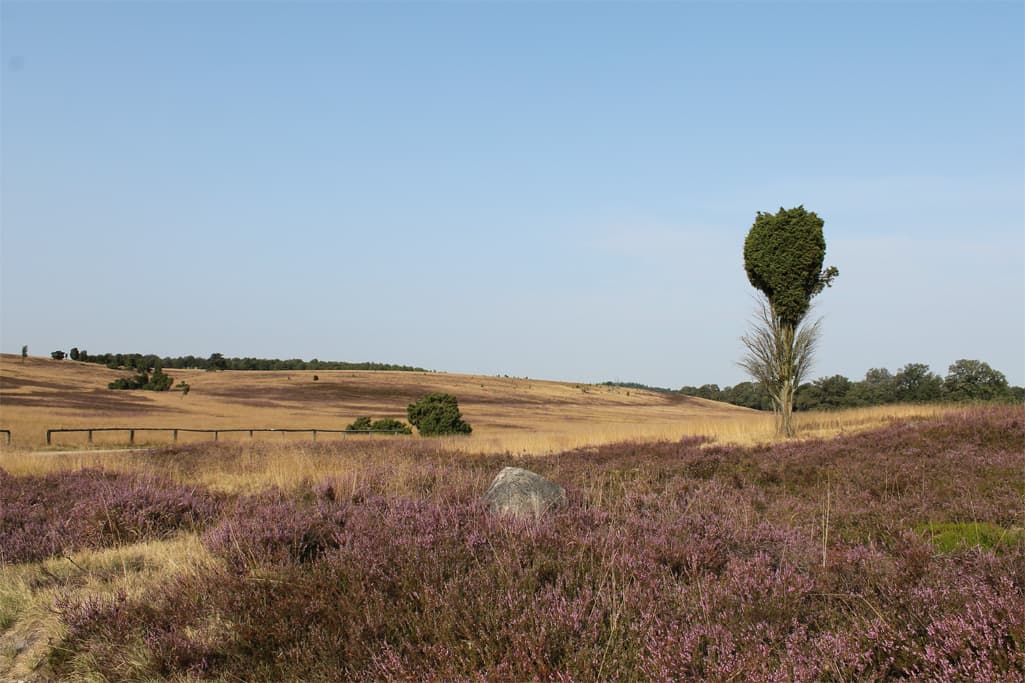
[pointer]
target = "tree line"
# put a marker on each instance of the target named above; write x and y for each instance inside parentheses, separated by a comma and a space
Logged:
(216, 361)
(966, 380)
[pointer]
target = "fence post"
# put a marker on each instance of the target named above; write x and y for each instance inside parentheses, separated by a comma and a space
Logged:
(175, 435)
(314, 434)
(215, 435)
(250, 433)
(131, 436)
(89, 434)
(48, 437)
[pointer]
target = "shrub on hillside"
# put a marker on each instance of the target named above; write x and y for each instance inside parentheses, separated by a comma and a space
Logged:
(436, 415)
(387, 424)
(361, 424)
(158, 381)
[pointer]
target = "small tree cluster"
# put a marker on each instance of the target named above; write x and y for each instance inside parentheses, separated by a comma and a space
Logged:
(437, 415)
(158, 381)
(746, 394)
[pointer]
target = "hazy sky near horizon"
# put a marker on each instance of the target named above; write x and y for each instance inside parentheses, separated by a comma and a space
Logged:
(552, 190)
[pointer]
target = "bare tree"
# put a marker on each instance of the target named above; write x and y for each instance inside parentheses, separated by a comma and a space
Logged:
(779, 356)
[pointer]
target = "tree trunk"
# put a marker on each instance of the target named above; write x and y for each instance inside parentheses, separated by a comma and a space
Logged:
(786, 422)
(787, 388)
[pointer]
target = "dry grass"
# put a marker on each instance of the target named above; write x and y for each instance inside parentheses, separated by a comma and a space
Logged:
(30, 627)
(507, 414)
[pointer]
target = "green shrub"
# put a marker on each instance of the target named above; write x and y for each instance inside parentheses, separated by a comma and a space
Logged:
(437, 414)
(362, 424)
(390, 425)
(366, 424)
(127, 383)
(157, 382)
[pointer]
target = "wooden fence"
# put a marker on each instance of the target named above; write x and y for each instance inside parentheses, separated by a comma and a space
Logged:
(216, 432)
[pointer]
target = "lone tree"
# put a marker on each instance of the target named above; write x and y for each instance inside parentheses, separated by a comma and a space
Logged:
(783, 256)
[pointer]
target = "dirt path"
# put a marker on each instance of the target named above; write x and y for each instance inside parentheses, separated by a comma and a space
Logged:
(92, 452)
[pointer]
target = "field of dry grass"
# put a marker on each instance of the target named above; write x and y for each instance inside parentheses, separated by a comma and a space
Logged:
(507, 414)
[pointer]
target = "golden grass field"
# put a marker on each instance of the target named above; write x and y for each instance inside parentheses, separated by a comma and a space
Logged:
(507, 414)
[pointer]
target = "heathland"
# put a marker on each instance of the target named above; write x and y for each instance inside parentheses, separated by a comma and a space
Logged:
(875, 547)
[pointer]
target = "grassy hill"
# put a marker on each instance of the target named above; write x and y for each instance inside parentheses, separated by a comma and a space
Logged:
(506, 413)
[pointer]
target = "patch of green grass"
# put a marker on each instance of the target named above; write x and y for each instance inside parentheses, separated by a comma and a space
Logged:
(951, 536)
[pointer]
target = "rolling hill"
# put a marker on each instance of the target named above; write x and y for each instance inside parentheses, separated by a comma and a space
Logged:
(506, 413)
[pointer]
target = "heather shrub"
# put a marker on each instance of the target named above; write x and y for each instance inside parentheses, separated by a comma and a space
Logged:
(162, 633)
(672, 561)
(41, 516)
(264, 531)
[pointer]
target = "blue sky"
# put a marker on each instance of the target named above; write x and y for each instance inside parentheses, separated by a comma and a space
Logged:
(553, 190)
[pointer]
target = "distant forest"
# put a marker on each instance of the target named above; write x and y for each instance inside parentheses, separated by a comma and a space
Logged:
(216, 361)
(966, 381)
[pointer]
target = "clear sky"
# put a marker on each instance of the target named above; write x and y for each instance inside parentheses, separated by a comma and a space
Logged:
(552, 190)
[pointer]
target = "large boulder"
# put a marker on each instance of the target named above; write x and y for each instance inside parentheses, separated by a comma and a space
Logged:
(522, 493)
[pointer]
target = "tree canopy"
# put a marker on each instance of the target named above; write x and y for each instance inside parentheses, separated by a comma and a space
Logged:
(783, 256)
(437, 414)
(974, 380)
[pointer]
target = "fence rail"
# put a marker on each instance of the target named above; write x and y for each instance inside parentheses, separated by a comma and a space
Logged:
(216, 432)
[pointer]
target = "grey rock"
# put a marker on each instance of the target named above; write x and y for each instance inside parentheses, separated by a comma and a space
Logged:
(522, 493)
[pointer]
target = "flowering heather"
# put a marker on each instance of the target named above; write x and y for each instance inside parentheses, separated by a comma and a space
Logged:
(673, 561)
(41, 516)
(276, 533)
